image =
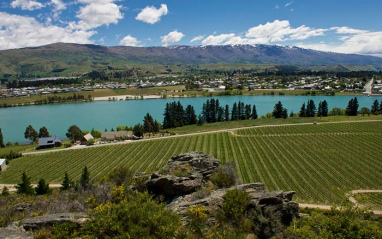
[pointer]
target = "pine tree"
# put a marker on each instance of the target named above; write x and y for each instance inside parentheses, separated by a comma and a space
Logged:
(220, 117)
(302, 111)
(148, 124)
(254, 112)
(241, 110)
(319, 111)
(226, 113)
(42, 187)
(190, 116)
(375, 107)
(43, 133)
(325, 108)
(291, 114)
(138, 130)
(248, 112)
(380, 107)
(355, 107)
(278, 110)
(234, 115)
(85, 179)
(25, 186)
(2, 145)
(310, 109)
(349, 107)
(66, 183)
(284, 113)
(200, 119)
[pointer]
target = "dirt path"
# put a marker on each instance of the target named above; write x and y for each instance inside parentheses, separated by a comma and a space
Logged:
(12, 187)
(192, 134)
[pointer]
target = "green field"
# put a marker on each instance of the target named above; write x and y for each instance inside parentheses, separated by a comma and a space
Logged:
(320, 162)
(370, 200)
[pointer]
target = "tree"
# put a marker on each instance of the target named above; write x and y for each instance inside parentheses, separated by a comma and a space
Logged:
(226, 113)
(43, 132)
(375, 108)
(74, 133)
(42, 187)
(234, 114)
(247, 111)
(325, 108)
(148, 124)
(138, 130)
(200, 120)
(5, 191)
(66, 183)
(95, 133)
(284, 113)
(31, 133)
(310, 109)
(279, 111)
(365, 111)
(254, 112)
(85, 179)
(2, 145)
(352, 108)
(302, 111)
(190, 116)
(25, 186)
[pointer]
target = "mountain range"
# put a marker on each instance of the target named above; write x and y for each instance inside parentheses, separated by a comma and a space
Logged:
(67, 58)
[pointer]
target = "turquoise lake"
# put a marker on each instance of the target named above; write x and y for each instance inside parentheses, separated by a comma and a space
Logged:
(105, 114)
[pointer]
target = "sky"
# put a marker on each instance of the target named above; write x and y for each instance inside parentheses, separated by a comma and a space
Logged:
(351, 26)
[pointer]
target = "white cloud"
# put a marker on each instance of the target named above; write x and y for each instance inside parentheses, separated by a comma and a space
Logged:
(352, 41)
(152, 15)
(279, 31)
(172, 37)
(277, 7)
(97, 13)
(27, 4)
(222, 39)
(198, 38)
(289, 3)
(20, 31)
(130, 41)
(58, 6)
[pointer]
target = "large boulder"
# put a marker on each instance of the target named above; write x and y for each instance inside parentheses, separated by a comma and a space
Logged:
(35, 223)
(183, 174)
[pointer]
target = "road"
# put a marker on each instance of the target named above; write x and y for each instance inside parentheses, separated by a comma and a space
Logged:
(191, 134)
(369, 86)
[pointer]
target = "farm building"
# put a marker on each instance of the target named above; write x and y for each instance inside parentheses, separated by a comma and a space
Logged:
(86, 138)
(3, 163)
(112, 135)
(49, 142)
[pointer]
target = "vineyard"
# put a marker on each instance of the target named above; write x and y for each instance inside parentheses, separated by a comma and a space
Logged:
(320, 162)
(370, 200)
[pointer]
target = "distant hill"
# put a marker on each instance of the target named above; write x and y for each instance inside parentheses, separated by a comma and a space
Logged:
(67, 59)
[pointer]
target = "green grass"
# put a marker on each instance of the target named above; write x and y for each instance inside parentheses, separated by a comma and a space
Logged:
(320, 162)
(370, 200)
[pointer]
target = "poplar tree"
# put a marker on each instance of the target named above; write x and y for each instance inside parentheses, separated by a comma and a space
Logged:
(375, 107)
(254, 112)
(2, 145)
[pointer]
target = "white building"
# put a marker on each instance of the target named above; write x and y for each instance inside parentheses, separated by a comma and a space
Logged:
(3, 163)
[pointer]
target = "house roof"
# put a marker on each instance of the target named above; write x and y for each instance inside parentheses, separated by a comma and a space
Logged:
(48, 141)
(88, 137)
(2, 161)
(116, 134)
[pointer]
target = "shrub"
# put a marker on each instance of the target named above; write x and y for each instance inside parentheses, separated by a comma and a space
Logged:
(226, 176)
(139, 216)
(197, 218)
(234, 205)
(42, 187)
(120, 175)
(90, 142)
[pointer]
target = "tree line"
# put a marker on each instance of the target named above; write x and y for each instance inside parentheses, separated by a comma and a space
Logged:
(29, 83)
(62, 99)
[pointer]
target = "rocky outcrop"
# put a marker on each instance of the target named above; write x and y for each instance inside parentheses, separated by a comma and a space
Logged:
(183, 174)
(35, 223)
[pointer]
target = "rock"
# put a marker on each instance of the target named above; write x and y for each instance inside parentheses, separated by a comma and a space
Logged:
(21, 207)
(35, 223)
(13, 234)
(183, 174)
(289, 195)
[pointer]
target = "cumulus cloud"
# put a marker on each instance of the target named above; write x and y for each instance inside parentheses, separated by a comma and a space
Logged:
(198, 38)
(152, 15)
(97, 13)
(130, 41)
(172, 37)
(20, 31)
(351, 41)
(27, 4)
(279, 31)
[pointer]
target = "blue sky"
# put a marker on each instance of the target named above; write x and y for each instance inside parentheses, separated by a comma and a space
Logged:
(350, 26)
